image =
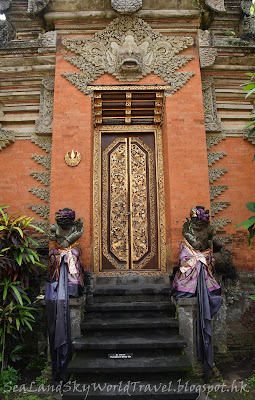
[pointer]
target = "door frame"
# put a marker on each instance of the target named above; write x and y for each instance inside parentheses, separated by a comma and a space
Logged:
(121, 129)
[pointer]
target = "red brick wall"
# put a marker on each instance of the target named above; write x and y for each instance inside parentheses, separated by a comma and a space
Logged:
(184, 147)
(241, 189)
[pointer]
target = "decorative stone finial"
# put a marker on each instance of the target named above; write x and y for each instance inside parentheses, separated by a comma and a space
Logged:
(126, 6)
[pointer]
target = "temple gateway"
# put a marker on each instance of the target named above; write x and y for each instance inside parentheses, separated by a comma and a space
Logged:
(131, 113)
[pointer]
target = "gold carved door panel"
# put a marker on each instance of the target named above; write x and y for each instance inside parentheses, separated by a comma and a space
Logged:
(129, 226)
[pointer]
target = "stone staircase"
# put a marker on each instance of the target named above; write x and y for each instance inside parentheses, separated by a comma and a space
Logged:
(130, 340)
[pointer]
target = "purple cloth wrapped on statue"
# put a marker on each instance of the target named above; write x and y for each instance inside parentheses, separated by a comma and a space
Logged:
(195, 278)
(72, 257)
(191, 261)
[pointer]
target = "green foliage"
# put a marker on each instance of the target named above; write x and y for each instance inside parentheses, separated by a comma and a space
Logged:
(251, 380)
(41, 380)
(8, 376)
(252, 7)
(249, 223)
(17, 256)
(250, 89)
(15, 318)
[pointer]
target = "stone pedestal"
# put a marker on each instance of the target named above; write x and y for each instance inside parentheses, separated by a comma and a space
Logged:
(187, 315)
(76, 306)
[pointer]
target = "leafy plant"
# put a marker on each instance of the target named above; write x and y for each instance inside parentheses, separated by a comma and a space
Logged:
(9, 376)
(15, 318)
(17, 257)
(249, 223)
(250, 89)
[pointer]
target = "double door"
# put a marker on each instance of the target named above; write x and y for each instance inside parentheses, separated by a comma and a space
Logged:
(129, 205)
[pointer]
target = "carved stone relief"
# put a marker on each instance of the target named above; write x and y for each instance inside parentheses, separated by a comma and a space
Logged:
(44, 143)
(249, 139)
(212, 121)
(43, 177)
(6, 138)
(219, 223)
(213, 139)
(245, 6)
(43, 194)
(126, 6)
(7, 32)
(215, 174)
(213, 157)
(35, 6)
(216, 5)
(218, 206)
(128, 48)
(45, 161)
(41, 209)
(207, 49)
(5, 4)
(44, 124)
(216, 191)
(47, 41)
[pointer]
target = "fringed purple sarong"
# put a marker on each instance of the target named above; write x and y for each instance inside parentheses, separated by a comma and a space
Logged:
(195, 278)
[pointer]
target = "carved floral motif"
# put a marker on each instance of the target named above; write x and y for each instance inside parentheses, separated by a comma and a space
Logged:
(215, 174)
(215, 156)
(128, 48)
(44, 123)
(6, 138)
(216, 5)
(217, 206)
(207, 51)
(5, 4)
(7, 32)
(126, 6)
(212, 121)
(216, 191)
(213, 139)
(35, 6)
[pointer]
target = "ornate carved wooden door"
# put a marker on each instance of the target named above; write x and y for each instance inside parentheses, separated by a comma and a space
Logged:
(129, 222)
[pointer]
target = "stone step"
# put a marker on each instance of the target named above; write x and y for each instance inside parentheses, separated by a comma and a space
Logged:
(125, 293)
(128, 340)
(122, 322)
(134, 306)
(132, 280)
(142, 365)
(132, 390)
(119, 290)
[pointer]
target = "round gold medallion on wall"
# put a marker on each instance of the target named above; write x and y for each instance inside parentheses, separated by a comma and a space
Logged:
(72, 158)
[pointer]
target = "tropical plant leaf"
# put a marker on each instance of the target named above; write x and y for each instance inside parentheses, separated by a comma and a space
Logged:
(250, 92)
(249, 222)
(251, 206)
(18, 296)
(252, 131)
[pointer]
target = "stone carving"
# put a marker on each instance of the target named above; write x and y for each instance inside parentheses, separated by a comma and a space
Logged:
(44, 143)
(216, 5)
(246, 137)
(43, 177)
(66, 231)
(7, 32)
(212, 139)
(245, 6)
(128, 48)
(198, 231)
(212, 121)
(44, 124)
(222, 240)
(42, 225)
(45, 161)
(42, 210)
(35, 6)
(216, 191)
(126, 6)
(218, 206)
(213, 157)
(6, 138)
(43, 194)
(48, 42)
(216, 173)
(5, 4)
(220, 223)
(207, 49)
